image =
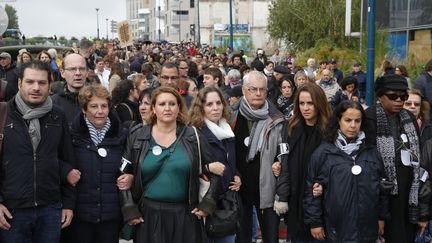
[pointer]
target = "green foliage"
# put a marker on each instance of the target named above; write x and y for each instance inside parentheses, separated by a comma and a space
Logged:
(304, 22)
(13, 17)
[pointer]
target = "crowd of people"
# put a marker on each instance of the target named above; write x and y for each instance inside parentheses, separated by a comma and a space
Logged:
(96, 140)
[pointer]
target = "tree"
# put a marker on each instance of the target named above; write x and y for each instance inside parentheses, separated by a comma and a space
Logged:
(305, 22)
(13, 17)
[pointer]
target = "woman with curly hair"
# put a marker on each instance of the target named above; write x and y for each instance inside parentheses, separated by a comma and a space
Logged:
(124, 98)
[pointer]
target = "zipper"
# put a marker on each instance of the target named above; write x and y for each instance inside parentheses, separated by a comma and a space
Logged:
(34, 180)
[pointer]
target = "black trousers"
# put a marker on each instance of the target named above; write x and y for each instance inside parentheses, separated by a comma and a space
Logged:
(268, 220)
(85, 232)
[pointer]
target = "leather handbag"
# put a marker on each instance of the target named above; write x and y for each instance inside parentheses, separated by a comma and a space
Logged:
(225, 220)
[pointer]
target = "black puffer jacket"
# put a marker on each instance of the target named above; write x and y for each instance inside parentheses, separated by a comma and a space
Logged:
(137, 147)
(97, 193)
(351, 205)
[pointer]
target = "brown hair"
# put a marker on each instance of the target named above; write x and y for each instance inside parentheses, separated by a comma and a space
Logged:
(182, 116)
(215, 73)
(43, 52)
(424, 106)
(196, 112)
(90, 91)
(321, 105)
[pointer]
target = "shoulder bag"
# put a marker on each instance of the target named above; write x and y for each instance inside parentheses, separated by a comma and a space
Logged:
(3, 115)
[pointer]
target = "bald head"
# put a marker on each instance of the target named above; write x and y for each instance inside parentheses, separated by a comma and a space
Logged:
(74, 71)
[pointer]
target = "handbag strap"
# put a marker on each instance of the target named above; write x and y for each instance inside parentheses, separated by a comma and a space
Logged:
(171, 151)
(199, 149)
(3, 85)
(3, 115)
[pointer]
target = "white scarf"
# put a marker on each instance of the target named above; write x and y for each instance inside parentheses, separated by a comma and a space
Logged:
(221, 130)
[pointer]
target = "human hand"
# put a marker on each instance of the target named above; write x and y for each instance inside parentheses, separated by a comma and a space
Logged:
(124, 182)
(422, 226)
(317, 189)
(235, 185)
(199, 213)
(136, 221)
(66, 218)
(276, 168)
(216, 168)
(73, 177)
(280, 207)
(318, 233)
(3, 221)
(381, 224)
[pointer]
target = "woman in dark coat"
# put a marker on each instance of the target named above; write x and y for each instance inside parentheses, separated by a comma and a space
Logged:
(125, 97)
(98, 140)
(305, 129)
(352, 207)
(209, 113)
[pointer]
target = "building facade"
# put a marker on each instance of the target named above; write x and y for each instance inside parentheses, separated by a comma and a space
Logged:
(180, 16)
(157, 20)
(138, 14)
(410, 25)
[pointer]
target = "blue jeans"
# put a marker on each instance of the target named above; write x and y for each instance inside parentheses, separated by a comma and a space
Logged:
(223, 239)
(40, 224)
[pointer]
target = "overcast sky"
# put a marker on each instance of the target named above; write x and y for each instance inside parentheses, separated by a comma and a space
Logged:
(67, 17)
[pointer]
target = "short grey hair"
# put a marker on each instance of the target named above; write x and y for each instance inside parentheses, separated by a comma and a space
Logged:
(254, 75)
(234, 74)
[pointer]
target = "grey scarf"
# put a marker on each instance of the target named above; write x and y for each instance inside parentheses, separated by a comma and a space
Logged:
(258, 117)
(350, 148)
(386, 147)
(32, 115)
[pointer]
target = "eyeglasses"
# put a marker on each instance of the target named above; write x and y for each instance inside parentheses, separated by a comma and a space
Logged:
(254, 90)
(169, 77)
(410, 103)
(75, 69)
(395, 96)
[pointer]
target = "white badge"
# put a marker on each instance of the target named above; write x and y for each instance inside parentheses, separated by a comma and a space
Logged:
(405, 157)
(157, 150)
(102, 152)
(356, 170)
(246, 141)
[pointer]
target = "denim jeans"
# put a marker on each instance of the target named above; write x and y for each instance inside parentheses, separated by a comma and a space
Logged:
(40, 224)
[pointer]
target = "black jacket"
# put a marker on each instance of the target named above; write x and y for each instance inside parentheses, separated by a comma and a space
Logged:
(30, 179)
(351, 205)
(137, 147)
(67, 101)
(10, 74)
(97, 193)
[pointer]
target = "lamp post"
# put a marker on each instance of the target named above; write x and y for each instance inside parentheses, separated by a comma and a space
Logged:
(97, 21)
(179, 16)
(231, 25)
(107, 29)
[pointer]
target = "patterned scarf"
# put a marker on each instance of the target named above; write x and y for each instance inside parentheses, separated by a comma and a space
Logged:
(95, 135)
(386, 147)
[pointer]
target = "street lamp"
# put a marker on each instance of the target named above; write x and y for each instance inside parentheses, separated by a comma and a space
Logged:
(179, 16)
(97, 21)
(107, 29)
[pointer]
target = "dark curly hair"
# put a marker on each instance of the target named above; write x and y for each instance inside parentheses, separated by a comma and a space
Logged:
(121, 92)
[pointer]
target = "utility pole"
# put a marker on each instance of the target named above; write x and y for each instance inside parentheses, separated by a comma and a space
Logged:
(106, 29)
(97, 21)
(231, 25)
(370, 53)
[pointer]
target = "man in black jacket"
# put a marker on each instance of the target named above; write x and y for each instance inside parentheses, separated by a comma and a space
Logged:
(9, 72)
(74, 71)
(36, 192)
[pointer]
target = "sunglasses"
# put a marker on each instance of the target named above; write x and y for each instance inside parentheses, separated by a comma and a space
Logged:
(410, 103)
(395, 96)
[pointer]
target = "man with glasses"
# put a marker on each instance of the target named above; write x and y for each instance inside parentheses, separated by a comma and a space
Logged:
(170, 76)
(395, 133)
(257, 126)
(74, 71)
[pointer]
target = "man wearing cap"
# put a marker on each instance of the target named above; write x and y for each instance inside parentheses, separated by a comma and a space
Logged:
(395, 133)
(337, 74)
(273, 81)
(260, 56)
(9, 72)
(361, 78)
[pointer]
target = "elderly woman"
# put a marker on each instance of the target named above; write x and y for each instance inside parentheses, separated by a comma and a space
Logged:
(300, 78)
(353, 206)
(420, 108)
(209, 113)
(166, 166)
(98, 140)
(304, 134)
